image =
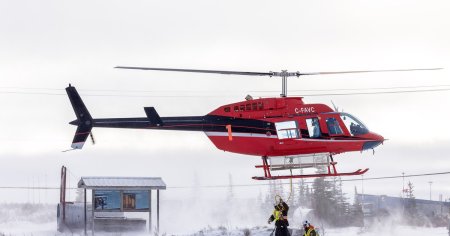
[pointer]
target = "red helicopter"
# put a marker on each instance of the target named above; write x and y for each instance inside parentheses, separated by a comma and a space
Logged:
(283, 127)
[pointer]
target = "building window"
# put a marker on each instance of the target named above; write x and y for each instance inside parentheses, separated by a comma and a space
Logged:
(135, 200)
(129, 201)
(107, 200)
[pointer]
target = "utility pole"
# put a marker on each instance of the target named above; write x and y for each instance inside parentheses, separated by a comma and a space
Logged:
(403, 192)
(431, 182)
(362, 190)
(403, 188)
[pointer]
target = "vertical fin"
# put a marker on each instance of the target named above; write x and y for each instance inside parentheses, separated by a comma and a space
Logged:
(84, 119)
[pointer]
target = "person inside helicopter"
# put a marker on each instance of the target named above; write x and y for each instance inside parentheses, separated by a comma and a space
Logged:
(316, 129)
(353, 125)
(333, 126)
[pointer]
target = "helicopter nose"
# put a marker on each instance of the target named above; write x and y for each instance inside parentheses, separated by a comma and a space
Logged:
(376, 140)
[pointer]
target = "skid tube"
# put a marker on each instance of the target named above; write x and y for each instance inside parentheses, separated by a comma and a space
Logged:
(332, 172)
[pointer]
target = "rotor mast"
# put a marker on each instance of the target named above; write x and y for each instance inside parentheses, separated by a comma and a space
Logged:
(284, 74)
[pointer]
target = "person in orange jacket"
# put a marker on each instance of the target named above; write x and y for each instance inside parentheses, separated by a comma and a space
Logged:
(309, 229)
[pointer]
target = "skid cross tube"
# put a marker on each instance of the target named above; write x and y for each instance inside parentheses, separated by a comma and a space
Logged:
(331, 164)
(266, 168)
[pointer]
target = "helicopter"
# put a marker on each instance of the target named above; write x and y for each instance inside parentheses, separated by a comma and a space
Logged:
(277, 127)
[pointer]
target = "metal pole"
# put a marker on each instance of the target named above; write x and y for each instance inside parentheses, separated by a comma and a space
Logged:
(403, 188)
(362, 190)
(283, 83)
(63, 194)
(93, 209)
(157, 211)
(85, 212)
(403, 192)
(150, 211)
(430, 188)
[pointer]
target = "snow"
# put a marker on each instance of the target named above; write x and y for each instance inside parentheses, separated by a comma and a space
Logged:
(26, 219)
(29, 228)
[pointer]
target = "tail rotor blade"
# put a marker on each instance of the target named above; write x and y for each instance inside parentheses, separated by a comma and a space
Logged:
(92, 138)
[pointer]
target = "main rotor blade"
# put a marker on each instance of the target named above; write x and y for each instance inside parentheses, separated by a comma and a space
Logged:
(199, 71)
(362, 71)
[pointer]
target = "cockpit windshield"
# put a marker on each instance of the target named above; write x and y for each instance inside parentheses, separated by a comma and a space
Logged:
(355, 126)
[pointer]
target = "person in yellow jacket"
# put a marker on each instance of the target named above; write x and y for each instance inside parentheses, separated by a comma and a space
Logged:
(281, 222)
(309, 229)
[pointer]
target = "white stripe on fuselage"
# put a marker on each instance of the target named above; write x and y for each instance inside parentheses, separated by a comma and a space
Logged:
(253, 135)
(234, 134)
(334, 140)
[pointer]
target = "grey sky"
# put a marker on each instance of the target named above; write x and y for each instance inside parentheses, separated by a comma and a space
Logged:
(48, 44)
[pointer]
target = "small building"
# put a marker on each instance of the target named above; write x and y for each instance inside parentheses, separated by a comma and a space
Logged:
(111, 198)
(376, 204)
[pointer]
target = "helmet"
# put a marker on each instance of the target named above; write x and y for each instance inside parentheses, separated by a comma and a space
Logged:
(306, 223)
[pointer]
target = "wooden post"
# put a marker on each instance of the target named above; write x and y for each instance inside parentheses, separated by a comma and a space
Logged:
(63, 194)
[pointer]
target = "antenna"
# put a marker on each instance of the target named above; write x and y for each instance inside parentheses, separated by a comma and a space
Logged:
(336, 109)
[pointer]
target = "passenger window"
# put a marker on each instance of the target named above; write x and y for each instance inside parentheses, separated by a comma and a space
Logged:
(287, 130)
(227, 109)
(254, 106)
(313, 127)
(333, 126)
(248, 107)
(236, 108)
(241, 107)
(260, 106)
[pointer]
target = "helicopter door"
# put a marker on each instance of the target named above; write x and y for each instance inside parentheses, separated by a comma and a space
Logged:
(313, 127)
(287, 130)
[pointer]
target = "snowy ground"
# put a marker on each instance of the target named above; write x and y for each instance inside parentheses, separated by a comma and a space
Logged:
(37, 220)
(37, 229)
(49, 228)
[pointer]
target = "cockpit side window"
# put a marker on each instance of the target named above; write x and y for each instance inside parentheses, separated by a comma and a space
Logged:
(333, 126)
(354, 126)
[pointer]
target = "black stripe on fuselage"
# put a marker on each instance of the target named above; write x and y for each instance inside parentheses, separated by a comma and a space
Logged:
(208, 123)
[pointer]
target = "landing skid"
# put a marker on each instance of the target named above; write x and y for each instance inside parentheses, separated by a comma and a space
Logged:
(331, 165)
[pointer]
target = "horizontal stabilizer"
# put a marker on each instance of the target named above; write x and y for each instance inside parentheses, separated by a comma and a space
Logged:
(80, 136)
(153, 116)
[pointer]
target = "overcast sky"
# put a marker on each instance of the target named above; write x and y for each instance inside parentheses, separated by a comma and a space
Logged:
(45, 45)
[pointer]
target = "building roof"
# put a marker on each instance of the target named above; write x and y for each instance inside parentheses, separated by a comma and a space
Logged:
(122, 183)
(398, 200)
